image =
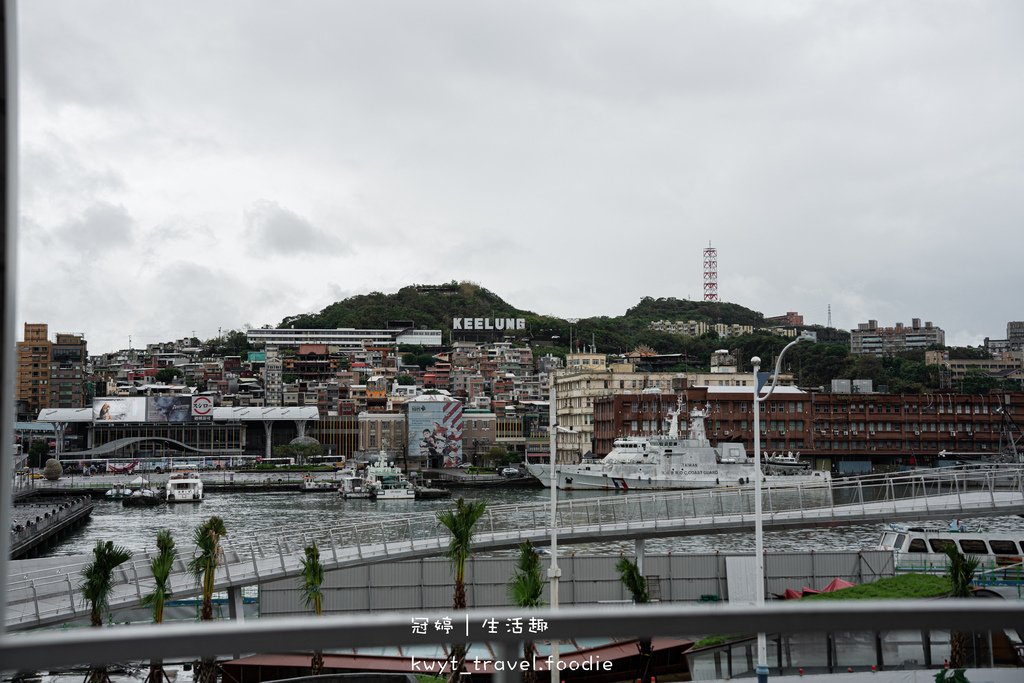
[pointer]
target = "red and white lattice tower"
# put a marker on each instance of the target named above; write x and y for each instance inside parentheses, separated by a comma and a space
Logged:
(710, 273)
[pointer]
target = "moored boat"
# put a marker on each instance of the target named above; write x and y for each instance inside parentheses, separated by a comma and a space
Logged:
(184, 486)
(923, 549)
(118, 491)
(785, 464)
(668, 461)
(387, 482)
(353, 486)
(311, 484)
(142, 497)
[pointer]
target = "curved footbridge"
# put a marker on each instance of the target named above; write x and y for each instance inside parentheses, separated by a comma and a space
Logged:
(51, 595)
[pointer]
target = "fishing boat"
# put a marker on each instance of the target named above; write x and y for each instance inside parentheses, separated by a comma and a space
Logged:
(311, 484)
(668, 461)
(184, 485)
(353, 486)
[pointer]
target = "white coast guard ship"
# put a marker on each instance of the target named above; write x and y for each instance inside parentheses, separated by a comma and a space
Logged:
(668, 462)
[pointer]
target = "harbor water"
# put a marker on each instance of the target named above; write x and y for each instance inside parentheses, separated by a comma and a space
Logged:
(276, 513)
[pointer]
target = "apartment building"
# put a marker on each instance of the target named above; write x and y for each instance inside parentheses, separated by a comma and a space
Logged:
(587, 377)
(870, 339)
(1008, 365)
(50, 374)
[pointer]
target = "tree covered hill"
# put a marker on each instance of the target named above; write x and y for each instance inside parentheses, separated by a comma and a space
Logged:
(434, 306)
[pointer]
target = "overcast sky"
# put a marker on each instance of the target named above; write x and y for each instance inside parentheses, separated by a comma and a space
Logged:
(194, 165)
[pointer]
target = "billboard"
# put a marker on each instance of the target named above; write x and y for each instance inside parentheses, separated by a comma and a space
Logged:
(119, 409)
(201, 408)
(435, 432)
(169, 409)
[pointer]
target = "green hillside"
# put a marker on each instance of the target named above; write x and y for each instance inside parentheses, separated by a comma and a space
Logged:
(434, 306)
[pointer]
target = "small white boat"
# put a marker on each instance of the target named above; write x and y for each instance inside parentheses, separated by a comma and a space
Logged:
(118, 492)
(785, 463)
(184, 486)
(353, 486)
(311, 484)
(143, 497)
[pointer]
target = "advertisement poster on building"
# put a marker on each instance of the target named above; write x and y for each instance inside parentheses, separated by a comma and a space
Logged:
(435, 432)
(119, 409)
(169, 408)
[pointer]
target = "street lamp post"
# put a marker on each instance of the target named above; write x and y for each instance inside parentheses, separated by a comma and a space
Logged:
(554, 572)
(762, 643)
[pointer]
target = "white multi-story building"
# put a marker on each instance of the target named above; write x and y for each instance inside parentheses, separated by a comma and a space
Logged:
(586, 377)
(347, 338)
(871, 340)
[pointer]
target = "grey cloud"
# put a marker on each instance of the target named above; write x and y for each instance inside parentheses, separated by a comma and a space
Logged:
(101, 227)
(54, 170)
(277, 230)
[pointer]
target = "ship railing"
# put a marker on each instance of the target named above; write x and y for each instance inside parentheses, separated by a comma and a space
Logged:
(190, 641)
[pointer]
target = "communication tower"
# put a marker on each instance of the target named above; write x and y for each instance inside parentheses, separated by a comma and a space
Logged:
(710, 273)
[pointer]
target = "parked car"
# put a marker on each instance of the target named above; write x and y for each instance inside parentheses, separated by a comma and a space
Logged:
(510, 472)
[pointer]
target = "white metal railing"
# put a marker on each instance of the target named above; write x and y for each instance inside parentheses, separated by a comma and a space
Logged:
(109, 645)
(274, 553)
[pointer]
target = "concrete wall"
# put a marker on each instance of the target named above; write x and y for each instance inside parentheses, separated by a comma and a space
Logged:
(586, 579)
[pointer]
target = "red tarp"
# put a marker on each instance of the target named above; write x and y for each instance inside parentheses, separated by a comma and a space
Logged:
(836, 585)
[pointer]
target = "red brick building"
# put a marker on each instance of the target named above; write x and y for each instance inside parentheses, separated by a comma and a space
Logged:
(888, 429)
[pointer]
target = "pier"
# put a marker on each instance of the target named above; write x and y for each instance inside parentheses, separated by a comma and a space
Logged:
(38, 524)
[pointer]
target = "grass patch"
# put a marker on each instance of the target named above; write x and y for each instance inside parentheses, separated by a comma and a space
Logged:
(710, 641)
(898, 587)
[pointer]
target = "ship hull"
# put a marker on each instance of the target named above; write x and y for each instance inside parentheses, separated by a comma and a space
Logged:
(577, 477)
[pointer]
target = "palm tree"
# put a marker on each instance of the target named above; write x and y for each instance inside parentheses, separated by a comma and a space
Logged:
(636, 584)
(460, 521)
(160, 566)
(960, 573)
(203, 566)
(310, 581)
(525, 590)
(97, 583)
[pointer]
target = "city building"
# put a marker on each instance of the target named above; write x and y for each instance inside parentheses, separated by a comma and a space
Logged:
(696, 328)
(347, 338)
(870, 339)
(33, 374)
(586, 377)
(51, 374)
(790, 318)
(837, 430)
(1008, 365)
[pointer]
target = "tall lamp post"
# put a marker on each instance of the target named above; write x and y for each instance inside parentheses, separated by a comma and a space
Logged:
(554, 572)
(762, 643)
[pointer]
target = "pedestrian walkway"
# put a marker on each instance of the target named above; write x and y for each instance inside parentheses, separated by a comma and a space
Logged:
(50, 595)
